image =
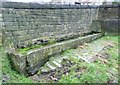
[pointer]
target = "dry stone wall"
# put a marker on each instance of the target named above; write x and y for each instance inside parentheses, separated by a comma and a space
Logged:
(1, 22)
(109, 19)
(26, 27)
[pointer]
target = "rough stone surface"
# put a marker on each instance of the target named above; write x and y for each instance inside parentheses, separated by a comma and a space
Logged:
(26, 27)
(18, 61)
(1, 26)
(108, 13)
(109, 19)
(23, 27)
(111, 26)
(37, 57)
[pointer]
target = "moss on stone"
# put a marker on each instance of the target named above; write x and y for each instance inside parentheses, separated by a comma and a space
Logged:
(51, 41)
(24, 50)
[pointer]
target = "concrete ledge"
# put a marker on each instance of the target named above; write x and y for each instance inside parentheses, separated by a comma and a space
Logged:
(31, 62)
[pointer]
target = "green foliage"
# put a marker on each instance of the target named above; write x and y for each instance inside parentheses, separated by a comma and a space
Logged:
(94, 73)
(51, 41)
(112, 38)
(66, 52)
(70, 78)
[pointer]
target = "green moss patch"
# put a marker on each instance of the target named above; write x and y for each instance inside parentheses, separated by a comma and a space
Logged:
(24, 50)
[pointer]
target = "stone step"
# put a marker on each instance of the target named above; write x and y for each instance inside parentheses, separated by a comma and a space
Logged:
(57, 64)
(53, 63)
(45, 69)
(58, 58)
(84, 59)
(50, 66)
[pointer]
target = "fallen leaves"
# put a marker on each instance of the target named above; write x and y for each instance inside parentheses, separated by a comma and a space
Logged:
(104, 61)
(81, 46)
(53, 78)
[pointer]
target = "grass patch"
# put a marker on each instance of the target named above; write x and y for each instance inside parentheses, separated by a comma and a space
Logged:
(96, 72)
(93, 73)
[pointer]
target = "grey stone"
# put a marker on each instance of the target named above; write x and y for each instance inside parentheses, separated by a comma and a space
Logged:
(26, 27)
(41, 24)
(56, 63)
(18, 61)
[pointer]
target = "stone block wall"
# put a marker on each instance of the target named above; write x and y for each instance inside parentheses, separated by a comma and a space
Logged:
(25, 27)
(1, 26)
(108, 13)
(109, 19)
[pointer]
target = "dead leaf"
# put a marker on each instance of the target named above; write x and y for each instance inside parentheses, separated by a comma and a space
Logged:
(81, 46)
(54, 79)
(86, 44)
(116, 66)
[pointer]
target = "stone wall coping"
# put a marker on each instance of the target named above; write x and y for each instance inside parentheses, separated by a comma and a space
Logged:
(20, 5)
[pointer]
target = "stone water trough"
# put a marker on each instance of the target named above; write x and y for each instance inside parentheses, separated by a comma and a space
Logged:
(33, 32)
(31, 62)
